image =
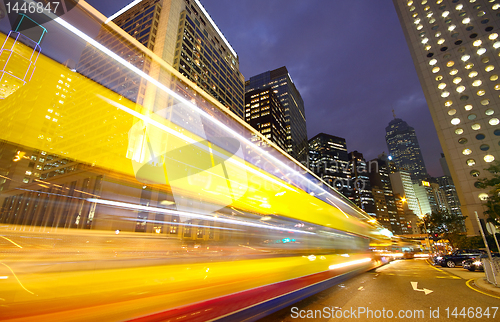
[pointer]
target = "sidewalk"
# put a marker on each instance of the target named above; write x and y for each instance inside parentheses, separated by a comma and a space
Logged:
(482, 284)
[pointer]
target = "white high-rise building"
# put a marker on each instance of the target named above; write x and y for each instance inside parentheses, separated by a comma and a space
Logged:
(455, 47)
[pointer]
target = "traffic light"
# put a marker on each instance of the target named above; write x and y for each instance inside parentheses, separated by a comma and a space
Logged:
(435, 237)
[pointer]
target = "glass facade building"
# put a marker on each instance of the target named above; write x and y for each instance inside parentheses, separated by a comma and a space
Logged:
(404, 148)
(281, 83)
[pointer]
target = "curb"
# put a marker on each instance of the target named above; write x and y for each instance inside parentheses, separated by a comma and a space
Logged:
(493, 290)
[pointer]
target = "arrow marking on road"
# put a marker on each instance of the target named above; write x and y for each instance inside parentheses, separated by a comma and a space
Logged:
(415, 284)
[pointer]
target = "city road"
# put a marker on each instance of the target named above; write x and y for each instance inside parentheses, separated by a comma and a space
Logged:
(407, 290)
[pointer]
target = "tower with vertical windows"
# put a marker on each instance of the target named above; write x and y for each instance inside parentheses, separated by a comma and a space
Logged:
(404, 148)
(455, 47)
(183, 34)
(281, 83)
(264, 112)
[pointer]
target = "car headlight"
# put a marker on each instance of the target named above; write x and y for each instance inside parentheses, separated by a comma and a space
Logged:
(439, 258)
(477, 263)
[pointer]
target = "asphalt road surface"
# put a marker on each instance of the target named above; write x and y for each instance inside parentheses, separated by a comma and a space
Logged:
(404, 290)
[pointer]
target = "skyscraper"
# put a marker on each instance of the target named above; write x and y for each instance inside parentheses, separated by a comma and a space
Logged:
(404, 148)
(264, 112)
(329, 161)
(385, 202)
(455, 47)
(281, 83)
(184, 35)
(362, 191)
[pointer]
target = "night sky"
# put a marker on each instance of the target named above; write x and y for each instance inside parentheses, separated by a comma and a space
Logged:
(348, 59)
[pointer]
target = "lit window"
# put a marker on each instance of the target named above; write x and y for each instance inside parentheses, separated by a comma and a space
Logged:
(477, 43)
(439, 77)
(435, 69)
(496, 45)
(497, 87)
(459, 7)
(445, 14)
(426, 8)
(489, 158)
(417, 21)
(454, 71)
(419, 27)
(475, 126)
(452, 111)
(493, 77)
(493, 36)
(481, 92)
(433, 62)
(465, 57)
(425, 40)
(477, 82)
(473, 74)
(432, 20)
(455, 121)
(495, 6)
(466, 151)
(489, 68)
(481, 51)
(438, 34)
(445, 94)
(474, 173)
(466, 21)
(457, 80)
(471, 162)
(489, 112)
(451, 27)
(468, 107)
(469, 66)
(459, 131)
(427, 47)
(448, 103)
(440, 41)
(460, 88)
(462, 140)
(442, 86)
(485, 102)
(450, 63)
(409, 3)
(494, 121)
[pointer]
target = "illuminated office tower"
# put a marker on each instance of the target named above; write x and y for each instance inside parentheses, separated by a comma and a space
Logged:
(183, 34)
(455, 47)
(281, 83)
(19, 54)
(329, 160)
(402, 185)
(385, 201)
(404, 149)
(264, 112)
(362, 191)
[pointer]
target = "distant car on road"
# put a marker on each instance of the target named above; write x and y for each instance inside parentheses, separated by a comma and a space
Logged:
(476, 264)
(458, 256)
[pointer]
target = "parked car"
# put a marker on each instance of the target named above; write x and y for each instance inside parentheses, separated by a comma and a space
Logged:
(458, 256)
(476, 264)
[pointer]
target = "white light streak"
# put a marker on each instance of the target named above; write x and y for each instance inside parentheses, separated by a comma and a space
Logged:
(351, 263)
(122, 10)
